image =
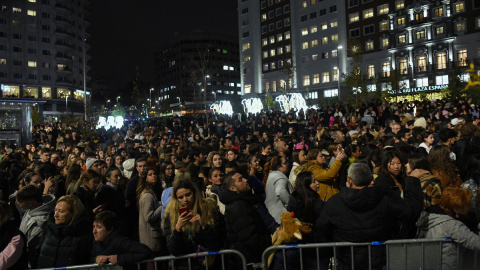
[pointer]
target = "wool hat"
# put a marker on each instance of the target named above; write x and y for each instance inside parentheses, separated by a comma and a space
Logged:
(128, 166)
(455, 121)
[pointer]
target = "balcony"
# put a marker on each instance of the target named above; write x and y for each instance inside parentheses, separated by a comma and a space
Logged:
(63, 33)
(62, 7)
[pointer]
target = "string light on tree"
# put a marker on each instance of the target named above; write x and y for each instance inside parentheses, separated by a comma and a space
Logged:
(110, 122)
(293, 101)
(222, 107)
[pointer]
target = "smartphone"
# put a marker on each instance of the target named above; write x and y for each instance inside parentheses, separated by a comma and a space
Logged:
(184, 210)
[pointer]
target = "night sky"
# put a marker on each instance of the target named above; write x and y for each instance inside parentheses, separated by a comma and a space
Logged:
(125, 32)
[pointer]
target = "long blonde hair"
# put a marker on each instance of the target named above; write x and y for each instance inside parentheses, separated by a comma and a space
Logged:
(205, 207)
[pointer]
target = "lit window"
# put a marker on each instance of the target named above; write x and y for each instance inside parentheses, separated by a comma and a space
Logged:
(384, 26)
(401, 21)
(305, 45)
(354, 17)
(314, 57)
(272, 52)
(421, 63)
(279, 37)
(442, 79)
(287, 35)
(304, 31)
(420, 35)
(369, 46)
(330, 93)
(335, 75)
(246, 46)
(264, 17)
(306, 80)
(439, 30)
(324, 26)
(368, 13)
(462, 58)
(32, 13)
(272, 40)
(400, 4)
(3, 61)
(385, 42)
(334, 53)
(17, 10)
(460, 26)
(421, 82)
(316, 78)
(265, 54)
(383, 9)
(402, 38)
(333, 23)
(272, 65)
(441, 60)
(288, 48)
(313, 29)
(335, 38)
(280, 50)
(246, 58)
(265, 67)
(32, 1)
(247, 89)
(325, 40)
(438, 12)
(325, 77)
(403, 64)
(459, 7)
(303, 4)
(386, 69)
(264, 42)
(314, 43)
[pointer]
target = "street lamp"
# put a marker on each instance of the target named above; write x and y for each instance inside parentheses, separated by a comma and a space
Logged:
(66, 104)
(205, 95)
(151, 89)
(117, 99)
(338, 70)
(215, 94)
(179, 102)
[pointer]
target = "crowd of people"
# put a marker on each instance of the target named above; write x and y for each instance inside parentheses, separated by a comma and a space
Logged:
(182, 185)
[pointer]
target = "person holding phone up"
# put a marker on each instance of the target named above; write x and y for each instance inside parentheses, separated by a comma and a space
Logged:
(191, 223)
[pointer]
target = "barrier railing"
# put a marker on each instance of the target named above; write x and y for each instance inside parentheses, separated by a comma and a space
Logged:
(172, 259)
(93, 266)
(399, 254)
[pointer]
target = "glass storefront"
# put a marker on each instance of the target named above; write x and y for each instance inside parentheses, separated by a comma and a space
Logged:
(30, 92)
(63, 93)
(10, 91)
(46, 92)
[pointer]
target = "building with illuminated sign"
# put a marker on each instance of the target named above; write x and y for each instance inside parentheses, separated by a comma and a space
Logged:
(43, 54)
(424, 41)
(188, 65)
(301, 45)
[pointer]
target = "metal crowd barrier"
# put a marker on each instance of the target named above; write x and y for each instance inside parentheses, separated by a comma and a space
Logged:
(400, 254)
(170, 259)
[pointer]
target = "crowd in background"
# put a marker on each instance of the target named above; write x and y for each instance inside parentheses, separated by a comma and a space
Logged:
(180, 185)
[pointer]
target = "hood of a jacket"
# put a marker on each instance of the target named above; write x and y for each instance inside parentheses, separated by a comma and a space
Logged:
(44, 209)
(362, 199)
(429, 220)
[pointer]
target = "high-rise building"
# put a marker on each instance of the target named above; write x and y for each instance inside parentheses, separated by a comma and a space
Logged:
(306, 46)
(43, 54)
(195, 70)
(292, 45)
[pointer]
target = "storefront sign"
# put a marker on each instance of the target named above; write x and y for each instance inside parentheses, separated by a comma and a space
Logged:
(419, 89)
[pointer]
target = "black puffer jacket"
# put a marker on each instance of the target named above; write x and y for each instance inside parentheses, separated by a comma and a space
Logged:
(365, 215)
(127, 251)
(249, 226)
(65, 245)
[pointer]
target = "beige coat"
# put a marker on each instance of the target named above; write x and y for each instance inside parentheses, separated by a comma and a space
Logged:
(150, 209)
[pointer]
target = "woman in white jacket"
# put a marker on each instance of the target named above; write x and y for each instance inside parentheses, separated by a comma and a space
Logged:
(443, 220)
(278, 188)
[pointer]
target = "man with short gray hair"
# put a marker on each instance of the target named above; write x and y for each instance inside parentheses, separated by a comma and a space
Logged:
(364, 213)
